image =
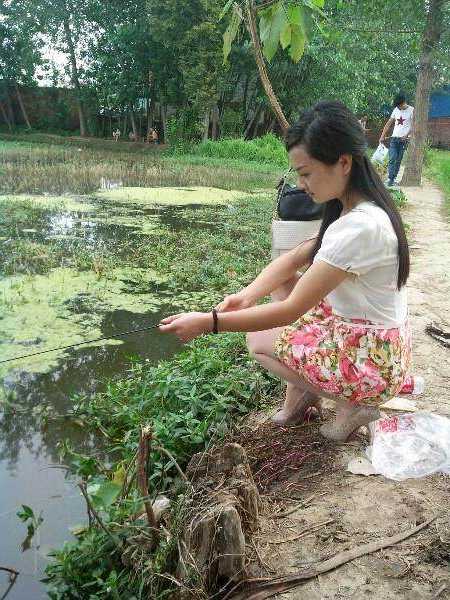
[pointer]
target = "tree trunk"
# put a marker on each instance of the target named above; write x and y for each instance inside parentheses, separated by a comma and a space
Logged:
(271, 127)
(253, 123)
(149, 115)
(125, 125)
(215, 122)
(5, 116)
(431, 36)
(22, 106)
(133, 125)
(75, 79)
(9, 109)
(245, 100)
(276, 107)
(205, 135)
(164, 122)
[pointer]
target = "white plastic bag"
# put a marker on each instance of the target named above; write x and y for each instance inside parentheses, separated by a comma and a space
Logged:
(410, 445)
(380, 154)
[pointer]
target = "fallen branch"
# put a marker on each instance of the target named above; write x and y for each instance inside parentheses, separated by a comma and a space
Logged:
(302, 504)
(10, 570)
(441, 335)
(142, 477)
(271, 587)
(13, 575)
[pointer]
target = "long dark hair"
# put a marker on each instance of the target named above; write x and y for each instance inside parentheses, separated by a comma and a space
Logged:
(327, 131)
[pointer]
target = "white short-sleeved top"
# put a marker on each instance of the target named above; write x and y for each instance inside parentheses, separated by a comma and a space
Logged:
(363, 242)
(403, 121)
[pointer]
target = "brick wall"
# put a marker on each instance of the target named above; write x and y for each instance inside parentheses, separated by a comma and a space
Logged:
(46, 107)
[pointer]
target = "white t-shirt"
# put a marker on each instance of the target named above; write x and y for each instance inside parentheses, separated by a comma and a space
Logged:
(403, 121)
(363, 242)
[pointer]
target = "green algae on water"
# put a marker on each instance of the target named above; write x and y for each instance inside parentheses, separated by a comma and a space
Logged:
(66, 307)
(170, 195)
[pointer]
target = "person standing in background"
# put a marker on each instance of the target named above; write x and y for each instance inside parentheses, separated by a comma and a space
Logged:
(402, 117)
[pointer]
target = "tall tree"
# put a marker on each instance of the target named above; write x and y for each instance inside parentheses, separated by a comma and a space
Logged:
(68, 24)
(431, 36)
(119, 57)
(19, 57)
(186, 50)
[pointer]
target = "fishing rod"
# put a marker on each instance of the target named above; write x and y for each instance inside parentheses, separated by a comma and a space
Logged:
(120, 334)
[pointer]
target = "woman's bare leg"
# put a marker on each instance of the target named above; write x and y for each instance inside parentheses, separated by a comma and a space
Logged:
(298, 399)
(301, 394)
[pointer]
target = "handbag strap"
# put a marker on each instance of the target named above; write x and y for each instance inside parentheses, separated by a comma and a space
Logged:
(281, 187)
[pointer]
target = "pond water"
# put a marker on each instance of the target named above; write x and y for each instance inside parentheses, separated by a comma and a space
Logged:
(61, 307)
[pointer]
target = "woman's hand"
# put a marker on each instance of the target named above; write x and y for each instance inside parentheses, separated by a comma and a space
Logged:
(187, 326)
(233, 302)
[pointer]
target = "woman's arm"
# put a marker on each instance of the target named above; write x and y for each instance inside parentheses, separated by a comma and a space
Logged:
(315, 284)
(279, 271)
(320, 279)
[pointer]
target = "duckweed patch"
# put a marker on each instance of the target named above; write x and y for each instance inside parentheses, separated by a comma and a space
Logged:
(119, 257)
(174, 196)
(65, 307)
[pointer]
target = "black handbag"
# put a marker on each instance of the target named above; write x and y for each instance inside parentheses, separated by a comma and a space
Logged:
(294, 204)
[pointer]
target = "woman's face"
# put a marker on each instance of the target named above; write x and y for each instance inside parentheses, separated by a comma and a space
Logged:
(322, 182)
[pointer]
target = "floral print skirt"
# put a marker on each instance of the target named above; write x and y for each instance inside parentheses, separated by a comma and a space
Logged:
(351, 359)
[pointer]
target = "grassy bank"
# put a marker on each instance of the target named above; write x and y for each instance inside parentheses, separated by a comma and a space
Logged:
(58, 166)
(194, 257)
(189, 401)
(437, 168)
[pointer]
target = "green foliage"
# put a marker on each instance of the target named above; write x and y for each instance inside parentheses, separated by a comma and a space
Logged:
(183, 130)
(399, 198)
(231, 32)
(267, 150)
(280, 24)
(186, 399)
(438, 169)
(189, 400)
(90, 568)
(231, 124)
(27, 516)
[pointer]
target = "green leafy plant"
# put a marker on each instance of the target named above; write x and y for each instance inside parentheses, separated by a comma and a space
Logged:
(33, 522)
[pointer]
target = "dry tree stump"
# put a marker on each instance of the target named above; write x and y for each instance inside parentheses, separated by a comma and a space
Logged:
(225, 506)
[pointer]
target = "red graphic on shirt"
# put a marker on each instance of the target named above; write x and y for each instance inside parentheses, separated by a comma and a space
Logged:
(400, 121)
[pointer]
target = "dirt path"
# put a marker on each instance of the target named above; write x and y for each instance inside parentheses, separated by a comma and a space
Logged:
(362, 508)
(429, 291)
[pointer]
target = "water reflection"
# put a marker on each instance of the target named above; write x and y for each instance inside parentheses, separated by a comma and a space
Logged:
(28, 450)
(82, 371)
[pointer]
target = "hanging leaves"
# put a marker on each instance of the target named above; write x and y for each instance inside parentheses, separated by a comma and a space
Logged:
(274, 21)
(286, 36)
(284, 24)
(298, 33)
(231, 31)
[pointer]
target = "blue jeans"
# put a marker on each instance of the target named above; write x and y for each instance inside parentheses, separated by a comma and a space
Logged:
(396, 149)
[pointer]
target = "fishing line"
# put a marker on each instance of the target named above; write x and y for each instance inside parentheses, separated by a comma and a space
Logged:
(120, 334)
